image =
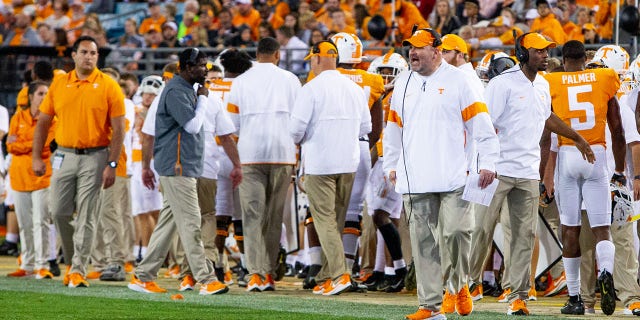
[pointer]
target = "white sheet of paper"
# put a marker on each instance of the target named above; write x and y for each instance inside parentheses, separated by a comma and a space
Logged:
(473, 193)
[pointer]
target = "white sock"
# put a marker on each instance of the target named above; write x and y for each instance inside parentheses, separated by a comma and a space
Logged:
(572, 273)
(399, 264)
(53, 242)
(497, 261)
(136, 251)
(315, 255)
(350, 263)
(11, 237)
(605, 253)
(489, 277)
(242, 261)
(389, 271)
(143, 251)
(381, 260)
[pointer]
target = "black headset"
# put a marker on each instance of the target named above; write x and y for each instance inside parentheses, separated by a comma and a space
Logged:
(522, 54)
(437, 40)
(193, 55)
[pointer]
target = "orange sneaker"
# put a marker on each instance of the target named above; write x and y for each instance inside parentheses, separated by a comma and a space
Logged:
(228, 278)
(215, 287)
(144, 287)
(65, 278)
(44, 274)
(187, 283)
(464, 304)
(93, 275)
(504, 297)
(129, 267)
(364, 277)
(20, 273)
(423, 314)
(556, 285)
(319, 289)
(338, 285)
(476, 292)
(173, 272)
(255, 283)
(533, 294)
(268, 284)
(518, 307)
(448, 303)
(76, 280)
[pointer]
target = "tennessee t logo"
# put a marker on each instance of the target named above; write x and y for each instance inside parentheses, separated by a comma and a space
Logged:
(440, 90)
(605, 51)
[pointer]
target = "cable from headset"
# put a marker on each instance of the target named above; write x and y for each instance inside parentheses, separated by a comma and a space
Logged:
(404, 160)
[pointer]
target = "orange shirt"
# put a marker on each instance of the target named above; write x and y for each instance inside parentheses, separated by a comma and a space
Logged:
(581, 99)
(23, 97)
(282, 9)
(84, 108)
(550, 27)
(276, 21)
(408, 16)
(605, 18)
(17, 38)
(42, 12)
(252, 20)
(23, 179)
(77, 25)
(148, 22)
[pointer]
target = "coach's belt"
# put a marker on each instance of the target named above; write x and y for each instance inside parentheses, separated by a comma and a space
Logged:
(365, 139)
(81, 151)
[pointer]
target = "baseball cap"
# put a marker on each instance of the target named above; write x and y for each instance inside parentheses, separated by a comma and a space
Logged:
(243, 1)
(170, 24)
(420, 38)
(536, 41)
(454, 42)
(501, 21)
(476, 2)
(539, 2)
(531, 14)
(588, 26)
(154, 28)
(323, 49)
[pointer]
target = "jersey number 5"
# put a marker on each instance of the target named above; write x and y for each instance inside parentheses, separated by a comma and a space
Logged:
(586, 106)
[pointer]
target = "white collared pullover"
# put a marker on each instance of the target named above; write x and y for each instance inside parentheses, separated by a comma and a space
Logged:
(260, 103)
(424, 141)
(329, 115)
(518, 109)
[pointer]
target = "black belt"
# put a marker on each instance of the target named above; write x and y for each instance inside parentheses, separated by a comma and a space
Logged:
(365, 139)
(81, 151)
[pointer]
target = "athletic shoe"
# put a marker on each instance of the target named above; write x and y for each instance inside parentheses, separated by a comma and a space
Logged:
(19, 260)
(173, 272)
(476, 292)
(291, 271)
(309, 283)
(228, 278)
(464, 304)
(215, 287)
(144, 287)
(518, 308)
(633, 309)
(113, 272)
(93, 275)
(8, 248)
(338, 285)
(187, 283)
(44, 274)
(65, 279)
(54, 268)
(219, 273)
(302, 274)
(385, 283)
(76, 280)
(396, 285)
(255, 283)
(448, 303)
(533, 294)
(504, 297)
(358, 287)
(372, 281)
(589, 310)
(268, 284)
(20, 273)
(242, 277)
(424, 314)
(607, 293)
(574, 306)
(319, 289)
(281, 267)
(129, 267)
(555, 286)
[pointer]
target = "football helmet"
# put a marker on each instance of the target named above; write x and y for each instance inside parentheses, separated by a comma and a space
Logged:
(483, 65)
(151, 84)
(621, 204)
(349, 47)
(631, 79)
(389, 60)
(612, 56)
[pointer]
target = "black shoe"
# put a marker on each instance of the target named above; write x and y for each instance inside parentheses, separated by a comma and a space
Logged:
(54, 268)
(310, 281)
(607, 293)
(242, 277)
(498, 291)
(385, 283)
(219, 274)
(574, 306)
(281, 269)
(303, 272)
(355, 270)
(113, 273)
(397, 284)
(8, 248)
(357, 287)
(372, 282)
(290, 271)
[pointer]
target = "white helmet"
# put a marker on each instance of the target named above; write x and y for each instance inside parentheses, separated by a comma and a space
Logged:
(349, 47)
(612, 56)
(483, 65)
(151, 84)
(389, 60)
(631, 79)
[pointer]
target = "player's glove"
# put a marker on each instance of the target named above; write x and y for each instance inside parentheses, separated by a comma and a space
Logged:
(619, 179)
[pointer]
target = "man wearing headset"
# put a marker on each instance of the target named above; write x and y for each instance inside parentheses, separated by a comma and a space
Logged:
(520, 107)
(433, 105)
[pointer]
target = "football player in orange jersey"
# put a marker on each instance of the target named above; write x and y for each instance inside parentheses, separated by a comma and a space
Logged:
(586, 101)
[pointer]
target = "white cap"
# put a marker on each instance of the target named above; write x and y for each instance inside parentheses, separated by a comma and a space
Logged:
(482, 24)
(531, 14)
(29, 10)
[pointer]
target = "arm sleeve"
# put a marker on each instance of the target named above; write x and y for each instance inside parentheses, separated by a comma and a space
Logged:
(116, 99)
(194, 125)
(477, 121)
(233, 105)
(392, 137)
(224, 125)
(495, 100)
(300, 116)
(149, 125)
(365, 117)
(178, 106)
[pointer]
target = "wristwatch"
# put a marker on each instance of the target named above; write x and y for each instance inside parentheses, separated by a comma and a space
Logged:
(112, 164)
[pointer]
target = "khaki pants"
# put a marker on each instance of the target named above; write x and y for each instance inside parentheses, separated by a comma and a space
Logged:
(180, 211)
(368, 240)
(262, 196)
(522, 197)
(625, 264)
(552, 216)
(207, 202)
(32, 211)
(486, 219)
(109, 243)
(75, 187)
(440, 225)
(328, 201)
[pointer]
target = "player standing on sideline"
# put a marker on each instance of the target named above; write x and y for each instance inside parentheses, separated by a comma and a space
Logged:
(89, 106)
